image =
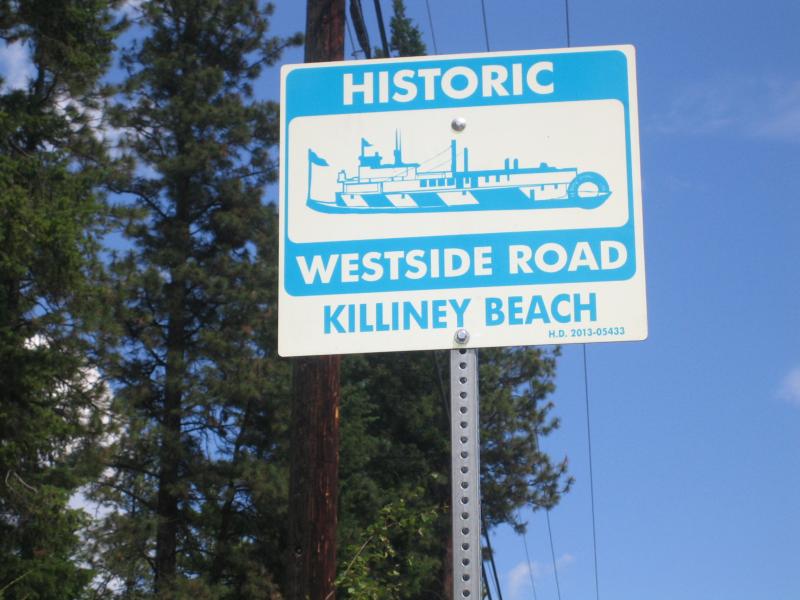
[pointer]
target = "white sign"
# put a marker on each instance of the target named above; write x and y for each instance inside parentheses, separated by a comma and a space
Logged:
(496, 193)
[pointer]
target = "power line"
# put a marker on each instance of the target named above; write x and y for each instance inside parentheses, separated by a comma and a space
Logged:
(591, 470)
(566, 10)
(485, 27)
(350, 36)
(491, 557)
(486, 585)
(357, 16)
(430, 21)
(530, 565)
(553, 553)
(382, 29)
(547, 515)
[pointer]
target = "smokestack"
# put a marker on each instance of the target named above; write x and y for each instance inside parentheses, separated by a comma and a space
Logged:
(466, 160)
(398, 148)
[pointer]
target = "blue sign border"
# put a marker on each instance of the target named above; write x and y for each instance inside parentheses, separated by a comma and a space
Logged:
(578, 75)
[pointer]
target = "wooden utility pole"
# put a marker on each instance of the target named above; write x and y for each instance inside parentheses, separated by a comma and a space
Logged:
(314, 478)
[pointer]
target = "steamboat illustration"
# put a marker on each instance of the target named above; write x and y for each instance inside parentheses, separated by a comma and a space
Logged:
(404, 187)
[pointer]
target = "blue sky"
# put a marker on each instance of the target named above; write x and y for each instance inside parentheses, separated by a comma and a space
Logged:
(696, 431)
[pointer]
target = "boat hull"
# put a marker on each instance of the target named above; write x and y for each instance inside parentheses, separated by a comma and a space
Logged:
(508, 198)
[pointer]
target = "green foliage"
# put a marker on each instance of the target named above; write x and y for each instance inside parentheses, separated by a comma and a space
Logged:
(51, 216)
(374, 569)
(199, 473)
(395, 444)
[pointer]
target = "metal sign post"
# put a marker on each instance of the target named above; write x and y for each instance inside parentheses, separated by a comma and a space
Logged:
(465, 452)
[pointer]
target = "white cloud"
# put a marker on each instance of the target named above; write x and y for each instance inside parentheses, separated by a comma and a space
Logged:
(519, 577)
(783, 118)
(766, 107)
(15, 65)
(517, 580)
(565, 561)
(790, 387)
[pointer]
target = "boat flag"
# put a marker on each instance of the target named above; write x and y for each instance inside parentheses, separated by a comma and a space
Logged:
(364, 144)
(316, 159)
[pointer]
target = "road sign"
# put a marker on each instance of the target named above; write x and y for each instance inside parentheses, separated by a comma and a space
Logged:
(493, 193)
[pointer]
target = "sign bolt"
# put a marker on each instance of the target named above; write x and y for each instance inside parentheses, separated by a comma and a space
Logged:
(462, 336)
(459, 124)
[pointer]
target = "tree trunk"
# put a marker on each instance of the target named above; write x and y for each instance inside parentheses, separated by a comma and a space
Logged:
(171, 448)
(170, 455)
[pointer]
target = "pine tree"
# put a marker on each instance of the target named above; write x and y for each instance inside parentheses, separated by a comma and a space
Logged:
(406, 38)
(51, 215)
(200, 451)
